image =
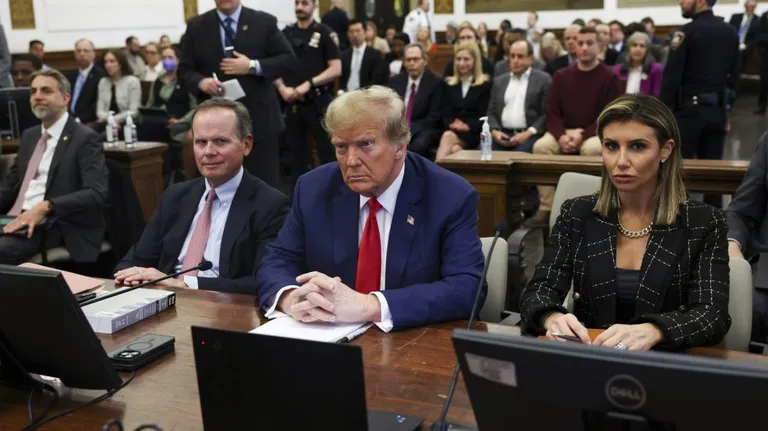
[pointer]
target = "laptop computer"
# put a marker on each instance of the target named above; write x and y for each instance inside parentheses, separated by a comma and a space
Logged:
(251, 381)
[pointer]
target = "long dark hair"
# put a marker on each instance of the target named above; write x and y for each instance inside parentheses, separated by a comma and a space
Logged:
(125, 67)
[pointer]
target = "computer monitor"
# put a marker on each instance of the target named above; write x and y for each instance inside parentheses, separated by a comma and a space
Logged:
(252, 381)
(15, 112)
(526, 383)
(44, 331)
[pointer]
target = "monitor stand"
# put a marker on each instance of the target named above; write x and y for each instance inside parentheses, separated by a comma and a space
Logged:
(437, 426)
(12, 373)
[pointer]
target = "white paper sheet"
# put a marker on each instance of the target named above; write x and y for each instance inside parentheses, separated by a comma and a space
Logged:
(233, 90)
(328, 332)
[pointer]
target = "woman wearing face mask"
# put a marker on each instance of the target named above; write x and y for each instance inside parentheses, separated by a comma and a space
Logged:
(641, 73)
(168, 92)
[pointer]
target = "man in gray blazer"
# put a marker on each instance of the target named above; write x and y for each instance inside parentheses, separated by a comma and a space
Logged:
(517, 110)
(747, 217)
(59, 180)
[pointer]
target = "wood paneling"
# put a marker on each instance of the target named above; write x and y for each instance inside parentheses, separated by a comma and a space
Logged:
(22, 14)
(190, 9)
(444, 7)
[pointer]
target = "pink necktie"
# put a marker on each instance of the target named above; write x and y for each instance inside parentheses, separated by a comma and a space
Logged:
(199, 239)
(411, 102)
(32, 167)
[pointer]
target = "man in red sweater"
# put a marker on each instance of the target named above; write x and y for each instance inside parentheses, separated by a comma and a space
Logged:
(577, 96)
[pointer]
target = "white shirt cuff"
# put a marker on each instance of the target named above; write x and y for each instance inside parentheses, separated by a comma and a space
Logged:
(190, 281)
(386, 324)
(273, 312)
(533, 130)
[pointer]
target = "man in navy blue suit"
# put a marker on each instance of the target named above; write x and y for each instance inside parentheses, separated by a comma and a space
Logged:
(382, 236)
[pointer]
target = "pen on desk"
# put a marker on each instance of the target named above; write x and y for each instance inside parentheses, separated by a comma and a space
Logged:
(85, 296)
(566, 337)
(354, 334)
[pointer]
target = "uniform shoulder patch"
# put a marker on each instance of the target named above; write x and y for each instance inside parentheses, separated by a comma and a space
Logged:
(677, 39)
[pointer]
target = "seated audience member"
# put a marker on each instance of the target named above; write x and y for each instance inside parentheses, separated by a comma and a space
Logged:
(467, 34)
(154, 66)
(22, 69)
(618, 33)
(383, 235)
(423, 38)
(484, 39)
(450, 34)
(167, 92)
(119, 91)
(226, 217)
(650, 29)
(58, 179)
(391, 33)
(657, 51)
(646, 263)
(394, 59)
(640, 73)
(373, 40)
(132, 52)
(607, 55)
(580, 22)
(165, 42)
(37, 48)
(504, 26)
(571, 56)
(594, 22)
(85, 82)
(518, 107)
(361, 65)
(421, 91)
(465, 99)
(575, 99)
(748, 233)
(535, 41)
(502, 66)
(551, 48)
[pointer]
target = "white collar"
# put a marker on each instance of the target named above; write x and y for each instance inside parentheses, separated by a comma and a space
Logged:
(87, 71)
(56, 128)
(524, 77)
(388, 199)
(467, 81)
(226, 192)
(416, 81)
(235, 15)
(360, 49)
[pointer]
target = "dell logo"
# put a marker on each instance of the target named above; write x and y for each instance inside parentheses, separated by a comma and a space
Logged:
(625, 392)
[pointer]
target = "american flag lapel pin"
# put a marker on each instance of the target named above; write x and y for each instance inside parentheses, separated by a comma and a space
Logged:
(411, 220)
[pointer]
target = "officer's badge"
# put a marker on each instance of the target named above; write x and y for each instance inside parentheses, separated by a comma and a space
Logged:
(677, 39)
(335, 38)
(314, 42)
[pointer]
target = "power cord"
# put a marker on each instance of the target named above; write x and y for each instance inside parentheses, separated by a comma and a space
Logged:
(42, 387)
(40, 421)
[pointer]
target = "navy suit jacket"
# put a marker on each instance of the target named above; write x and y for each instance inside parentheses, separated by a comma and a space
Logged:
(255, 218)
(434, 260)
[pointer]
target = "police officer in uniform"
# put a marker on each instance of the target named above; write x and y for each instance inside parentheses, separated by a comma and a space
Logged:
(419, 17)
(700, 80)
(308, 91)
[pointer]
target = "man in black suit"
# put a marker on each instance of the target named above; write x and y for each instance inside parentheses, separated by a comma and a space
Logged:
(361, 65)
(59, 180)
(85, 82)
(259, 53)
(571, 36)
(747, 25)
(423, 111)
(337, 19)
(226, 217)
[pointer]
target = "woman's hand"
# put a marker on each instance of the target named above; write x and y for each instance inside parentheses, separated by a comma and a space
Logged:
(565, 324)
(633, 337)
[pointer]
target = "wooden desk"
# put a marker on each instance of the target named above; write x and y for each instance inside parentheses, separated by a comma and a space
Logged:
(143, 162)
(499, 180)
(406, 371)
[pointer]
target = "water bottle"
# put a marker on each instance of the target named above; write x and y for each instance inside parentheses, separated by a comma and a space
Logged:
(111, 129)
(486, 140)
(129, 131)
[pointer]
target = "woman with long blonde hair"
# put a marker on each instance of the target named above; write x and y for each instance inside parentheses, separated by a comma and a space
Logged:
(465, 99)
(424, 39)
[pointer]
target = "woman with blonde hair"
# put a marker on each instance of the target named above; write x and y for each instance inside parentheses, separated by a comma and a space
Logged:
(645, 263)
(465, 99)
(423, 38)
(551, 48)
(373, 40)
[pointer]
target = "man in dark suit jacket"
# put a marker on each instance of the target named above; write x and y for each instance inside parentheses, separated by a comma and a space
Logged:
(226, 217)
(426, 112)
(747, 25)
(361, 65)
(85, 82)
(571, 35)
(747, 216)
(330, 262)
(260, 53)
(59, 180)
(337, 19)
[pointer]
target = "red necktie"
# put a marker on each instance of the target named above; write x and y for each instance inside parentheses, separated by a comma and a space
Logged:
(411, 102)
(369, 255)
(32, 167)
(199, 239)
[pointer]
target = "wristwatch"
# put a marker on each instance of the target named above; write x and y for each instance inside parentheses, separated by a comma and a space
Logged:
(252, 66)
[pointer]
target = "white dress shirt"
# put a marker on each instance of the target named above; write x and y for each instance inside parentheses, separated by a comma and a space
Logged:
(388, 200)
(225, 194)
(633, 80)
(744, 29)
(36, 190)
(151, 73)
(408, 88)
(354, 68)
(513, 114)
(466, 83)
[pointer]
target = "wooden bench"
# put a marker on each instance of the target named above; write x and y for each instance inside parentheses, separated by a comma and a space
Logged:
(500, 181)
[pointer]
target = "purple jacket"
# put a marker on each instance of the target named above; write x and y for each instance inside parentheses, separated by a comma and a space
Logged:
(651, 82)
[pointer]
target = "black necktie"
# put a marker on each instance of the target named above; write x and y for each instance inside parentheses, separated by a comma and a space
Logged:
(228, 35)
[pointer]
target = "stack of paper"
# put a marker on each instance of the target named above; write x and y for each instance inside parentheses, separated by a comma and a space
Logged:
(288, 327)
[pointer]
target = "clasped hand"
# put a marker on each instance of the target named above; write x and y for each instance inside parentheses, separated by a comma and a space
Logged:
(641, 336)
(326, 299)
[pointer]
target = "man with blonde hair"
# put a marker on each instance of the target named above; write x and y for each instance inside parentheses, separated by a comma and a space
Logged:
(383, 235)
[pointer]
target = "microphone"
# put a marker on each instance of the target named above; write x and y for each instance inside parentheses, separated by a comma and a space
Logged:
(204, 265)
(441, 425)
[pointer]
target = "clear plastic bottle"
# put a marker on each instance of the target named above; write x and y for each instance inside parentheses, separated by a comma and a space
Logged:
(111, 129)
(129, 131)
(486, 152)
